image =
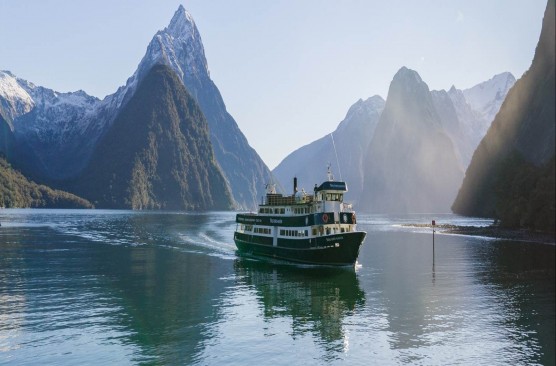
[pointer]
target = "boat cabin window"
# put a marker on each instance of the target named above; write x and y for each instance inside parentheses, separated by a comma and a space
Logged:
(295, 233)
(248, 227)
(262, 230)
(334, 197)
(330, 197)
(301, 210)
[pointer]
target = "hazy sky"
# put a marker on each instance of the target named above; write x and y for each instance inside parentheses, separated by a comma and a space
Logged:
(288, 70)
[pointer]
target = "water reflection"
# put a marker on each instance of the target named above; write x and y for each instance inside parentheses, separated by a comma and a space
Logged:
(318, 300)
(53, 301)
(166, 288)
(128, 285)
(488, 301)
(167, 298)
(167, 292)
(521, 282)
(12, 299)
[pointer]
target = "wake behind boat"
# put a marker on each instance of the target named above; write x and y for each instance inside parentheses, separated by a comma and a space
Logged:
(316, 228)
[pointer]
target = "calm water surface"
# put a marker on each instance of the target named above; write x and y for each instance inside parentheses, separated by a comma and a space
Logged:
(118, 287)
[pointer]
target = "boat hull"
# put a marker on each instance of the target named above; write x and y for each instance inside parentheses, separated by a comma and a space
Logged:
(335, 250)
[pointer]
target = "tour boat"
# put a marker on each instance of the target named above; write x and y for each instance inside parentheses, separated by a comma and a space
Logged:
(318, 228)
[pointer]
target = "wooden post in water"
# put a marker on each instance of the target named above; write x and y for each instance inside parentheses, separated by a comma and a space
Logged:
(433, 272)
(433, 225)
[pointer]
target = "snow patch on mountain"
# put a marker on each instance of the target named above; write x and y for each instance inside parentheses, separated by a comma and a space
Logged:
(487, 97)
(179, 46)
(14, 100)
(362, 110)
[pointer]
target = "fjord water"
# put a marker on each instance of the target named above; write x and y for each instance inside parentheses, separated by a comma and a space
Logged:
(122, 287)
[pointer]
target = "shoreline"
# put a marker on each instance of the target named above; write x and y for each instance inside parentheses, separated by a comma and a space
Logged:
(495, 232)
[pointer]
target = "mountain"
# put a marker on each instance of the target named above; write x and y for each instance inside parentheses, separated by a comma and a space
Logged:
(452, 125)
(510, 173)
(488, 96)
(467, 114)
(180, 47)
(6, 137)
(17, 191)
(350, 139)
(14, 100)
(56, 133)
(464, 122)
(157, 154)
(411, 165)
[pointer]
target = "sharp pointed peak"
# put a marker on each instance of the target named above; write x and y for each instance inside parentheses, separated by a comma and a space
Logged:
(182, 23)
(181, 12)
(405, 73)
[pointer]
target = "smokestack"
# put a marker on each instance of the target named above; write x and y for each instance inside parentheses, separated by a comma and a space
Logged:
(294, 185)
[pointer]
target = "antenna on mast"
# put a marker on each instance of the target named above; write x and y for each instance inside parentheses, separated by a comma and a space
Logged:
(336, 153)
(329, 173)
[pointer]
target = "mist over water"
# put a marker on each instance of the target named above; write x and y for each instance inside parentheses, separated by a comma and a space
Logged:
(123, 287)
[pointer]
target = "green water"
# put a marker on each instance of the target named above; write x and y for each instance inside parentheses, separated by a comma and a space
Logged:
(116, 287)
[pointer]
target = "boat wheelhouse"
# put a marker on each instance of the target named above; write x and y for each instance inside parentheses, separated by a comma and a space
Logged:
(317, 228)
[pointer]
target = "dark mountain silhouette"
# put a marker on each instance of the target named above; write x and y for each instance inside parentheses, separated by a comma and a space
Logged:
(509, 175)
(6, 137)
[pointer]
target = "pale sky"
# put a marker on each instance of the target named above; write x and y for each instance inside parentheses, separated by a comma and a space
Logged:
(288, 70)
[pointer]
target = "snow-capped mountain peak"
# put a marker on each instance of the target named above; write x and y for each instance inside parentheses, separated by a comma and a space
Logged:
(487, 97)
(182, 24)
(14, 99)
(374, 104)
(179, 46)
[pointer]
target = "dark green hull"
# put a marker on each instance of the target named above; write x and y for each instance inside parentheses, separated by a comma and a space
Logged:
(335, 250)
